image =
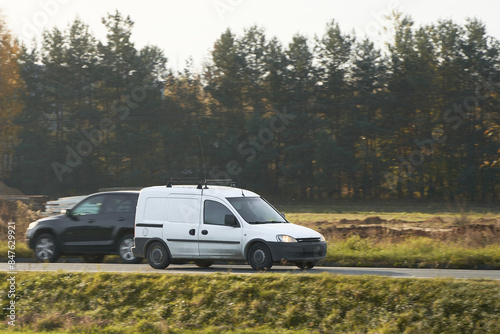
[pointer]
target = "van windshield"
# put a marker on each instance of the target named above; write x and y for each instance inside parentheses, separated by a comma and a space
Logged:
(255, 210)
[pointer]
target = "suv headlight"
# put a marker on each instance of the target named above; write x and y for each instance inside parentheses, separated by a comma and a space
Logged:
(32, 225)
(285, 238)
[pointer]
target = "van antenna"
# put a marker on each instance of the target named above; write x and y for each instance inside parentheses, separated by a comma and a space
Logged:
(201, 147)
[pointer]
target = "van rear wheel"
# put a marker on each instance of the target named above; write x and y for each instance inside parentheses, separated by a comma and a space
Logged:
(157, 255)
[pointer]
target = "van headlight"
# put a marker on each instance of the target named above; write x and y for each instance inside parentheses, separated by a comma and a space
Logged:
(285, 238)
(321, 237)
(32, 225)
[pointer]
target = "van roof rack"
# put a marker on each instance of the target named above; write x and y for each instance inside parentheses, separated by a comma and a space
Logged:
(202, 183)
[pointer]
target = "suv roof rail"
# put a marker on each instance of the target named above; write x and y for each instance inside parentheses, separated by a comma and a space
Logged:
(202, 183)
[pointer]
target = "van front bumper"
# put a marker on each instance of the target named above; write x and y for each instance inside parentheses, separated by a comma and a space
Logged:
(297, 251)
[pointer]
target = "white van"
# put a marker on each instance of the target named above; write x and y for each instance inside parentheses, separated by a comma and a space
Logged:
(176, 224)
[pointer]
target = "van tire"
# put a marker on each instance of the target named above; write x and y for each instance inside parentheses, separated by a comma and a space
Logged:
(158, 256)
(259, 257)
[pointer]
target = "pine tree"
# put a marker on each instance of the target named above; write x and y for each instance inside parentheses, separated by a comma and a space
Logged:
(335, 158)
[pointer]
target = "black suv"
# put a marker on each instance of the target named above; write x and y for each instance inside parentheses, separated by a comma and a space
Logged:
(101, 224)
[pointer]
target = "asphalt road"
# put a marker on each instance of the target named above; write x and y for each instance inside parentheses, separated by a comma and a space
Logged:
(245, 269)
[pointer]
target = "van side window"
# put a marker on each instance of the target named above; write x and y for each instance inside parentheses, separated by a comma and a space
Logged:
(215, 213)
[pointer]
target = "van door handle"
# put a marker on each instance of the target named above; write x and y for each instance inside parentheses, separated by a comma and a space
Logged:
(192, 231)
(120, 219)
(91, 220)
(204, 232)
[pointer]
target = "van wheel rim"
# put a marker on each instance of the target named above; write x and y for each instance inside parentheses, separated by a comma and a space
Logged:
(259, 257)
(126, 249)
(157, 255)
(45, 248)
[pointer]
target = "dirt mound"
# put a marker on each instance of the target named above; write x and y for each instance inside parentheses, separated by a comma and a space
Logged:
(350, 222)
(435, 221)
(486, 221)
(6, 190)
(372, 231)
(478, 232)
(397, 222)
(374, 220)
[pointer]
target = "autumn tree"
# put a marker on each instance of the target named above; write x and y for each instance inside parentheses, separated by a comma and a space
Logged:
(11, 91)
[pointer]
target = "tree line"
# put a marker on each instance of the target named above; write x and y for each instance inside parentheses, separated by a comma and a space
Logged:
(330, 117)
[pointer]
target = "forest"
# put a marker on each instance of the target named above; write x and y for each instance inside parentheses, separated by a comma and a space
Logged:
(330, 117)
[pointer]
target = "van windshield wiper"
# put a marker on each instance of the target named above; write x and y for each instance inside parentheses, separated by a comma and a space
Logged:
(267, 222)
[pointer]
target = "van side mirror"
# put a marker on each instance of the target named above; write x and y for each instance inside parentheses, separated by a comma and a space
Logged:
(67, 212)
(230, 220)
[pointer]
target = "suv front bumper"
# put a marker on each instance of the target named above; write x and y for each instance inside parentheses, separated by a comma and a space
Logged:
(29, 238)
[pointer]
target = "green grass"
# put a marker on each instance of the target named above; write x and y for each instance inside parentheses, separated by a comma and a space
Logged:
(22, 250)
(417, 206)
(261, 303)
(417, 252)
(404, 210)
(305, 217)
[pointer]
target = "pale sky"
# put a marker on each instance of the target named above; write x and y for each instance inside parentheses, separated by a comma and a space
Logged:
(184, 28)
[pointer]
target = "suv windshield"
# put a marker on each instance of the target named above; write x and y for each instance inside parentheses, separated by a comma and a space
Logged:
(255, 210)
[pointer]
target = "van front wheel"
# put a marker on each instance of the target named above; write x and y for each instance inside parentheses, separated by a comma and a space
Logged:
(259, 257)
(157, 255)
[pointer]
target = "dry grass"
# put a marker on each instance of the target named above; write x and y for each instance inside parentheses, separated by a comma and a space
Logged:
(20, 213)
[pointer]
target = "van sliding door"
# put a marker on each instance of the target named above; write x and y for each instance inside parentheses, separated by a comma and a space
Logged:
(181, 226)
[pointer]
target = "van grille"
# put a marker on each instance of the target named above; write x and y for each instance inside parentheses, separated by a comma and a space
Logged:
(307, 239)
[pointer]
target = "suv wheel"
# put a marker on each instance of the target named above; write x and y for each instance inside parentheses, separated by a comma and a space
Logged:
(125, 249)
(46, 248)
(259, 257)
(157, 254)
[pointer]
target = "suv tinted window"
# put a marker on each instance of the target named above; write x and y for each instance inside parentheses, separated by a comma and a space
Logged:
(89, 206)
(120, 203)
